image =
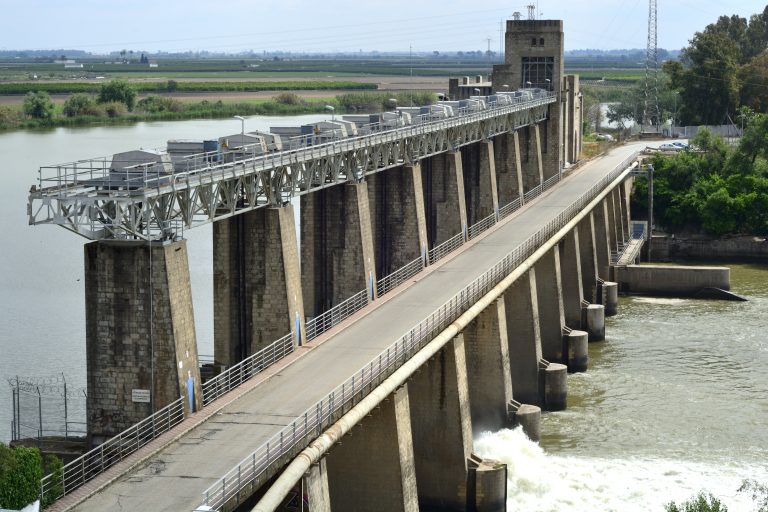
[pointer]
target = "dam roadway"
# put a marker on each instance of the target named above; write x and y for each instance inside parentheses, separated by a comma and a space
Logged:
(174, 477)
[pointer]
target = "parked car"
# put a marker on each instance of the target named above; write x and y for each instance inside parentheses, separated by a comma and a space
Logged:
(669, 147)
(605, 136)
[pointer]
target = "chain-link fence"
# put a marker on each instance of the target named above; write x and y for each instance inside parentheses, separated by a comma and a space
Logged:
(47, 408)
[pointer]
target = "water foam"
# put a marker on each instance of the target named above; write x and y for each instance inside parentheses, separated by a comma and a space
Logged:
(538, 482)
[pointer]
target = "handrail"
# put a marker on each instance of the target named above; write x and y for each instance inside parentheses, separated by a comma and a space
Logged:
(323, 413)
(151, 174)
(94, 462)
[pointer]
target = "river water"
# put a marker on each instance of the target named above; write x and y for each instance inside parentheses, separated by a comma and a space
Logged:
(676, 399)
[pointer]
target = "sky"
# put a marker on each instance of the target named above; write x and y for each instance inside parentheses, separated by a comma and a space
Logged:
(340, 25)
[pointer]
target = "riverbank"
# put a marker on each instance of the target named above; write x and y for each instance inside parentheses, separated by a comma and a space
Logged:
(164, 108)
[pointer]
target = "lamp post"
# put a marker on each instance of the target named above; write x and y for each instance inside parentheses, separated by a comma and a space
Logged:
(242, 129)
(332, 110)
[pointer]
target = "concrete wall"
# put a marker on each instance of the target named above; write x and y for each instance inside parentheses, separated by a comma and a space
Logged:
(140, 332)
(671, 280)
(740, 248)
(444, 197)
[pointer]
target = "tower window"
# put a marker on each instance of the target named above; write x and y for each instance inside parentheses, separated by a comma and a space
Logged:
(541, 41)
(538, 72)
(533, 41)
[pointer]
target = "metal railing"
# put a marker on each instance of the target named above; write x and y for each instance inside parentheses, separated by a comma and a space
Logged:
(246, 369)
(441, 251)
(64, 177)
(482, 226)
(292, 438)
(337, 314)
(507, 209)
(399, 276)
(94, 462)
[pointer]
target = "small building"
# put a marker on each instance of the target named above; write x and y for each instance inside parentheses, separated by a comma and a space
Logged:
(462, 89)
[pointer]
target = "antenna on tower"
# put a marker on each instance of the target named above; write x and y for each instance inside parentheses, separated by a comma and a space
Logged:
(531, 11)
(516, 16)
(651, 113)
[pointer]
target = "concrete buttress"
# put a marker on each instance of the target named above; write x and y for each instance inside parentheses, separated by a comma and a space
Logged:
(444, 196)
(442, 429)
(570, 272)
(374, 464)
(256, 282)
(488, 372)
(509, 176)
(524, 338)
(316, 487)
(549, 291)
(337, 251)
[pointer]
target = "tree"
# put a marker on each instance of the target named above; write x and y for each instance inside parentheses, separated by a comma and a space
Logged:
(38, 105)
(118, 91)
(754, 83)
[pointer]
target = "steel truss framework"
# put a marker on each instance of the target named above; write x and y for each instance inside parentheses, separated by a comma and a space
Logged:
(160, 207)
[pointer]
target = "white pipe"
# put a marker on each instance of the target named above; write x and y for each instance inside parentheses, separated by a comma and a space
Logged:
(317, 448)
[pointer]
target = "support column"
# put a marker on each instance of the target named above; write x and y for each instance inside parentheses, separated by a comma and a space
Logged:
(551, 315)
(397, 217)
(508, 170)
(539, 158)
(621, 235)
(570, 271)
(611, 217)
(532, 169)
(445, 198)
(626, 192)
(602, 241)
(588, 257)
(442, 429)
(256, 282)
(488, 370)
(337, 250)
(141, 349)
(489, 192)
(316, 487)
(373, 466)
(524, 338)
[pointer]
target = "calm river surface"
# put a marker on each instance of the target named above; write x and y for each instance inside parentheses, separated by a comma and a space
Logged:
(676, 399)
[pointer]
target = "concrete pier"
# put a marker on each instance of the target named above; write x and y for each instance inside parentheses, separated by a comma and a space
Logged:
(602, 241)
(529, 418)
(488, 371)
(398, 217)
(509, 170)
(588, 258)
(676, 281)
(257, 283)
(442, 429)
(480, 185)
(374, 463)
(570, 271)
(337, 250)
(444, 197)
(578, 351)
(610, 298)
(487, 486)
(315, 486)
(524, 338)
(596, 322)
(555, 387)
(141, 349)
(549, 292)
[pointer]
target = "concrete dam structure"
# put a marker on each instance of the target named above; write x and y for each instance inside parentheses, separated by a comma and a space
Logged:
(447, 273)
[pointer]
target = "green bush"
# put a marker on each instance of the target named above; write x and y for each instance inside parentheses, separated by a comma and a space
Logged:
(54, 467)
(80, 105)
(288, 98)
(20, 472)
(38, 105)
(159, 104)
(113, 109)
(700, 503)
(118, 91)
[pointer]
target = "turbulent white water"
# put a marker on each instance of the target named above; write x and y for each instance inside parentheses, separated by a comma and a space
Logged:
(541, 482)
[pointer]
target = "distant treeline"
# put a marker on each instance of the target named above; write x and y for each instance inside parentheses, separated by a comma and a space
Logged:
(174, 86)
